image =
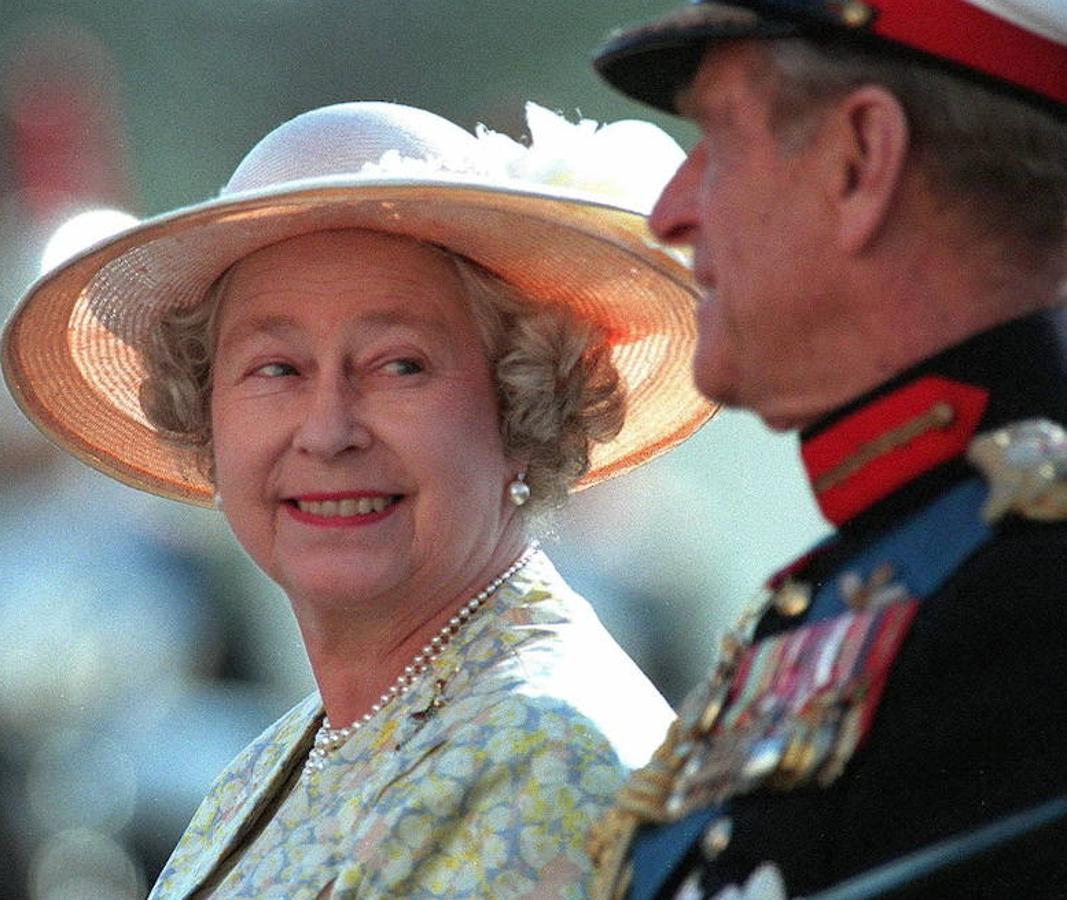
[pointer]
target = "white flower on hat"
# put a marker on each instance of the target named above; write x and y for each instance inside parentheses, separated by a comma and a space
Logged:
(625, 163)
(393, 164)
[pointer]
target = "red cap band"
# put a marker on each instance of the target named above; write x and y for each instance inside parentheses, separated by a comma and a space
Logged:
(961, 32)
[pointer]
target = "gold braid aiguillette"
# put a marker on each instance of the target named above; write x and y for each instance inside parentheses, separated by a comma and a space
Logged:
(654, 794)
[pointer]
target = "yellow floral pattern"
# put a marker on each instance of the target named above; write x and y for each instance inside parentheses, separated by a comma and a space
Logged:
(488, 795)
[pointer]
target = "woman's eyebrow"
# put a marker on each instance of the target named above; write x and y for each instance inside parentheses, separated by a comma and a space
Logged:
(272, 325)
(277, 325)
(403, 318)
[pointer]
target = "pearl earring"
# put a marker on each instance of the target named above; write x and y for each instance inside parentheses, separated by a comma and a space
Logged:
(216, 500)
(519, 490)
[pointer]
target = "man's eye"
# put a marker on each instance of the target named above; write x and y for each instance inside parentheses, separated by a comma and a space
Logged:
(404, 366)
(275, 370)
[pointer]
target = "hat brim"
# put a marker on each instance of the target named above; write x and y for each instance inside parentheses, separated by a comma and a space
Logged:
(70, 351)
(653, 61)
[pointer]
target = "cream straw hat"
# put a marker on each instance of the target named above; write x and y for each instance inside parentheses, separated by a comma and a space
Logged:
(561, 220)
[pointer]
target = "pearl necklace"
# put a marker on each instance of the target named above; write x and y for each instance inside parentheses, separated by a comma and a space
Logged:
(328, 739)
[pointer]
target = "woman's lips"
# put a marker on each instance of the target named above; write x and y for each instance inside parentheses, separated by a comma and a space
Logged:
(338, 510)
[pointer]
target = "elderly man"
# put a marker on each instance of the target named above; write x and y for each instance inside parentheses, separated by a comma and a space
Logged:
(877, 208)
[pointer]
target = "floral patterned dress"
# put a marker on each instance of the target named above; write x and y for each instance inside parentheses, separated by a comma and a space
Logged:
(487, 793)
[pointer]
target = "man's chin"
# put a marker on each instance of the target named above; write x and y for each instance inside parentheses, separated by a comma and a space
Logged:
(711, 377)
(726, 390)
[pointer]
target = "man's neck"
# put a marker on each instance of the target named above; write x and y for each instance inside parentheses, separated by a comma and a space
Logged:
(928, 300)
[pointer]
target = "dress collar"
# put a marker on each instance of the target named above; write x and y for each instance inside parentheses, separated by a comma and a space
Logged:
(891, 447)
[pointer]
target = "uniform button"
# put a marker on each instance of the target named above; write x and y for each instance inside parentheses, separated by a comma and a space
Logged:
(855, 14)
(717, 837)
(792, 599)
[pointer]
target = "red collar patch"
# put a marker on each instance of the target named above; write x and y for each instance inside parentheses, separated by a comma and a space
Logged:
(889, 442)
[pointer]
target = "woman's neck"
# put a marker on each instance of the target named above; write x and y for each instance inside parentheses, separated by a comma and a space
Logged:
(357, 652)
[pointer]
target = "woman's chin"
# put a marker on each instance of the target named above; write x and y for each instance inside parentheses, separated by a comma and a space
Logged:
(341, 585)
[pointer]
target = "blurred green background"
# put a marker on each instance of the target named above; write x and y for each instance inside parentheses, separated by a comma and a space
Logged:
(138, 648)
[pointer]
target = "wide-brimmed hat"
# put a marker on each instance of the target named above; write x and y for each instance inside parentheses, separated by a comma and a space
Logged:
(1019, 46)
(561, 221)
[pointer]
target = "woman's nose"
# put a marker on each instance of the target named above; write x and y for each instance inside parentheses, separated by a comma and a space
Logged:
(331, 423)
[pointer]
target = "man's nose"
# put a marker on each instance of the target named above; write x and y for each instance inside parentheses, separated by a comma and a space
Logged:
(672, 218)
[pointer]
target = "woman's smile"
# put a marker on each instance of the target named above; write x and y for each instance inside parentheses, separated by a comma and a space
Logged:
(342, 510)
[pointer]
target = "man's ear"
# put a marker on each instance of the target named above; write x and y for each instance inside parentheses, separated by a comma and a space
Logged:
(868, 148)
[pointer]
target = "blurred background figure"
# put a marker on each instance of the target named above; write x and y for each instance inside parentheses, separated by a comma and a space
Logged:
(104, 749)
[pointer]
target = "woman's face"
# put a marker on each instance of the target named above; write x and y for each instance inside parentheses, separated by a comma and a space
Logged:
(356, 444)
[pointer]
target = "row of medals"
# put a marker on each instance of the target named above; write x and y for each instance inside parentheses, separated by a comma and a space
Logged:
(691, 771)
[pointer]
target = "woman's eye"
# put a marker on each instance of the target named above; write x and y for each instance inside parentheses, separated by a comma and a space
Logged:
(274, 370)
(404, 367)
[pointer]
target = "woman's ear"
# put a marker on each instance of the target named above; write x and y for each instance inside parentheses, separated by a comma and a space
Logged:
(868, 148)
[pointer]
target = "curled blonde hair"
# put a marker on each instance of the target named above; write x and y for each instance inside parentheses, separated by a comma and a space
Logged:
(558, 389)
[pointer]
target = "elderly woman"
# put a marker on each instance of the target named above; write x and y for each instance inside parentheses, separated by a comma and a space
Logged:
(387, 351)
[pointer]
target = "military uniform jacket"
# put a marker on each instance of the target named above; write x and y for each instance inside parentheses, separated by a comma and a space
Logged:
(970, 721)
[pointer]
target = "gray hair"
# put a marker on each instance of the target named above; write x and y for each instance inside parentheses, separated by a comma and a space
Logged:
(1000, 158)
(558, 389)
